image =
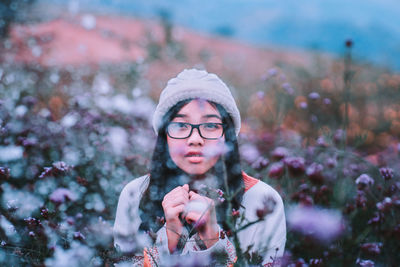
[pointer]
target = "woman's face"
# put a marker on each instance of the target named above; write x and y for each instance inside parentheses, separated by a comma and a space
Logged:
(194, 154)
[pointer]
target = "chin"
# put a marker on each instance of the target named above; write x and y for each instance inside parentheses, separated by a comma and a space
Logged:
(195, 170)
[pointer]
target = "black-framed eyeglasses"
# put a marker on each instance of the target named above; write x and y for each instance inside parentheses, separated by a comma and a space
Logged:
(208, 130)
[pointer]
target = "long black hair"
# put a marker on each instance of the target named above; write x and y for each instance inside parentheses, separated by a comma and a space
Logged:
(165, 175)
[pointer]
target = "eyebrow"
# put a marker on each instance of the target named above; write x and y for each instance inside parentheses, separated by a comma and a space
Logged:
(205, 116)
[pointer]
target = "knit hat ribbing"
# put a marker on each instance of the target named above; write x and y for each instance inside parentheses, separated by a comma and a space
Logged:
(191, 84)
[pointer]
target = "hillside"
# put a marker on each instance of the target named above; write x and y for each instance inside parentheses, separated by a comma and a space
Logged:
(89, 40)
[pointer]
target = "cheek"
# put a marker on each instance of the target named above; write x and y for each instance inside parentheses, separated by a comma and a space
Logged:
(176, 148)
(215, 149)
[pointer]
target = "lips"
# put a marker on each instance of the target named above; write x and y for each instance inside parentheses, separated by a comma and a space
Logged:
(194, 156)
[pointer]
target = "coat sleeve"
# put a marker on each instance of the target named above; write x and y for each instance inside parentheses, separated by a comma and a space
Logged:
(267, 238)
(127, 220)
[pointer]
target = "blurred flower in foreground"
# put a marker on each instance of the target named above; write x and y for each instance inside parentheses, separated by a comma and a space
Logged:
(10, 153)
(321, 224)
(249, 152)
(363, 181)
(61, 195)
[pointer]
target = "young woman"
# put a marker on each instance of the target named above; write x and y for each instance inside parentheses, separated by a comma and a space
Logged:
(196, 197)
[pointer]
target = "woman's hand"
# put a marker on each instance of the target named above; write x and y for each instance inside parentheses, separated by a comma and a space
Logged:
(174, 204)
(201, 211)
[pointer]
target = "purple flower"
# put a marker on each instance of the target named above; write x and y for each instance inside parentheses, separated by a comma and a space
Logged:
(361, 200)
(372, 248)
(327, 101)
(314, 96)
(363, 181)
(260, 163)
(339, 136)
(280, 153)
(260, 95)
(276, 170)
(377, 219)
(272, 72)
(61, 195)
(331, 162)
(296, 165)
(303, 105)
(288, 88)
(365, 263)
(387, 173)
(249, 152)
(79, 236)
(314, 118)
(57, 168)
(314, 173)
(315, 262)
(4, 173)
(385, 204)
(321, 224)
(61, 166)
(322, 142)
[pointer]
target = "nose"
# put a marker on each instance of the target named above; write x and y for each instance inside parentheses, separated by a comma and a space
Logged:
(195, 138)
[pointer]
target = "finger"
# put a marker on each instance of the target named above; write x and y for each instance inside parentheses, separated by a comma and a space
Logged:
(186, 187)
(192, 193)
(178, 191)
(196, 217)
(196, 197)
(173, 202)
(173, 212)
(181, 195)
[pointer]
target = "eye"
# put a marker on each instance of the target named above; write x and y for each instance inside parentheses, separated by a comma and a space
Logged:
(179, 126)
(212, 126)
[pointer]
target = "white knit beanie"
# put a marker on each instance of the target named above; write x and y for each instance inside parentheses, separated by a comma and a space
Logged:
(191, 84)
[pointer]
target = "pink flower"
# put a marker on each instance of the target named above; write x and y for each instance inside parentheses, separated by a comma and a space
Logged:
(235, 213)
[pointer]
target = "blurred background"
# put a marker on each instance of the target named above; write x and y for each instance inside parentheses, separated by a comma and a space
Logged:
(317, 84)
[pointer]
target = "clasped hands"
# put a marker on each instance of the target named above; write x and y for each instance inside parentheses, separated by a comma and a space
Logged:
(181, 203)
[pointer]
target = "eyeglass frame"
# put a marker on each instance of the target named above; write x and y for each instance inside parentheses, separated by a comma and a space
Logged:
(196, 126)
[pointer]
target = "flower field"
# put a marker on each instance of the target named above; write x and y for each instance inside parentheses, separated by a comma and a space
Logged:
(326, 138)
